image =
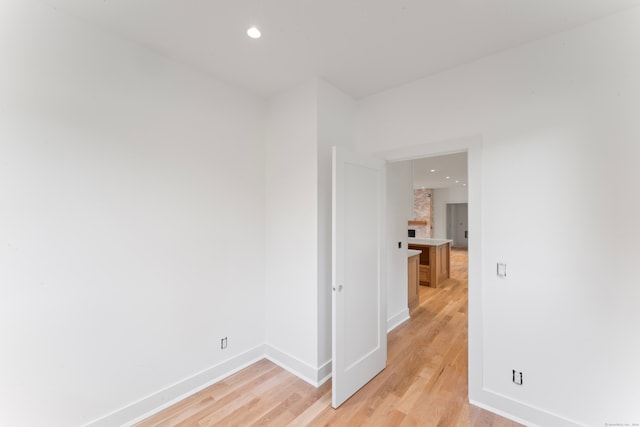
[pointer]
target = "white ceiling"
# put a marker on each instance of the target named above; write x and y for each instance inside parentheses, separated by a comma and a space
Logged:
(453, 166)
(360, 46)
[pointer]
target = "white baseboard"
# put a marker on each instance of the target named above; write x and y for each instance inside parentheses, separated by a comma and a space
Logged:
(314, 376)
(162, 399)
(398, 319)
(502, 413)
(324, 372)
(147, 406)
(528, 415)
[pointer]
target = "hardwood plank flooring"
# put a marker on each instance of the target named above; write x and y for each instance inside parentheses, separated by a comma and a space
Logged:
(424, 384)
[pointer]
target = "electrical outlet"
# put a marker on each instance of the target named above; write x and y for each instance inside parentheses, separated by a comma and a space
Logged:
(223, 343)
(517, 377)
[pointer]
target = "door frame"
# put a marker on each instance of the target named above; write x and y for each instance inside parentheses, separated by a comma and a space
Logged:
(472, 145)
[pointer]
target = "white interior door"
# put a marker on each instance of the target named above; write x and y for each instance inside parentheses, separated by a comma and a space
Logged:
(359, 291)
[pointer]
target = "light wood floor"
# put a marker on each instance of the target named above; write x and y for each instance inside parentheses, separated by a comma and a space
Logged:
(424, 384)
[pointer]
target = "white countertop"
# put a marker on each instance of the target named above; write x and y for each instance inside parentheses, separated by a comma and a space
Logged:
(429, 242)
(413, 252)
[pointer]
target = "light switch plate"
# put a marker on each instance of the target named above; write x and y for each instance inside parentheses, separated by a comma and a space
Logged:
(502, 269)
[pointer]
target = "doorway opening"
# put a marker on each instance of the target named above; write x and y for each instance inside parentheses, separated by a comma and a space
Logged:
(439, 200)
(472, 325)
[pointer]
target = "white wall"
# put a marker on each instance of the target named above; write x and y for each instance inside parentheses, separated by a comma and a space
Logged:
(399, 211)
(559, 129)
(131, 223)
(442, 196)
(303, 124)
(292, 229)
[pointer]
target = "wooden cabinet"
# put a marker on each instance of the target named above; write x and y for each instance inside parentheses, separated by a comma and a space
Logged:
(414, 279)
(435, 262)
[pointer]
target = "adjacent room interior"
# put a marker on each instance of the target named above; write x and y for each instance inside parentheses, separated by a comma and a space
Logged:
(439, 220)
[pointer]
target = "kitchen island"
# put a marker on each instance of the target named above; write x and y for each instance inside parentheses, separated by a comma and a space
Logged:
(435, 260)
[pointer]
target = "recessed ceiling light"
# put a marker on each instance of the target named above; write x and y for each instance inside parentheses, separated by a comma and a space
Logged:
(464, 185)
(254, 32)
(457, 182)
(433, 170)
(448, 177)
